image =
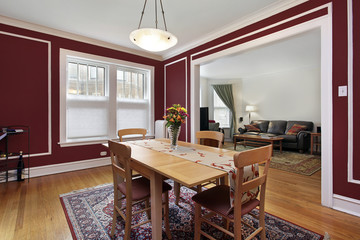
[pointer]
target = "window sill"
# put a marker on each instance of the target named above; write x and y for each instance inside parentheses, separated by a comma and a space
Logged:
(94, 142)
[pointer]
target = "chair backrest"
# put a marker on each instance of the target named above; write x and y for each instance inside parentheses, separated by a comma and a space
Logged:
(247, 158)
(130, 131)
(202, 137)
(120, 160)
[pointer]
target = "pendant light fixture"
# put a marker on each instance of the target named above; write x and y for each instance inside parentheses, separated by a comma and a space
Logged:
(153, 39)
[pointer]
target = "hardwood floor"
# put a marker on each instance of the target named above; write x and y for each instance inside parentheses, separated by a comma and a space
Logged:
(33, 210)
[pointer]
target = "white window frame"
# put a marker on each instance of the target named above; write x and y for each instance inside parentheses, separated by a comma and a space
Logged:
(111, 88)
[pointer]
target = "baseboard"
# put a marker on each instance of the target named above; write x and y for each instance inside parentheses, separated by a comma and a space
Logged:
(347, 205)
(65, 167)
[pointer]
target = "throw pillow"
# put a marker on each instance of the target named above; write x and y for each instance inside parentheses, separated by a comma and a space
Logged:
(295, 129)
(252, 128)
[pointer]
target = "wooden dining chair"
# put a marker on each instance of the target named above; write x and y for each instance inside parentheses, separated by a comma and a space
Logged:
(131, 131)
(217, 199)
(208, 138)
(134, 191)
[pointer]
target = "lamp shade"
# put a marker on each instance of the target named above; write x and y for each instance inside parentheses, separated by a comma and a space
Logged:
(152, 39)
(250, 108)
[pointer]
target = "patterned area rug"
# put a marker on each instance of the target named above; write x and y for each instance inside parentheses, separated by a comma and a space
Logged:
(301, 163)
(89, 215)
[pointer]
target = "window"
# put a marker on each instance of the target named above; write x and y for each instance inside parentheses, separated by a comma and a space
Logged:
(101, 95)
(87, 102)
(131, 98)
(221, 112)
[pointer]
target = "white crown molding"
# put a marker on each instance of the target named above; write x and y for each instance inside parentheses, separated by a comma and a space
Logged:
(76, 37)
(261, 14)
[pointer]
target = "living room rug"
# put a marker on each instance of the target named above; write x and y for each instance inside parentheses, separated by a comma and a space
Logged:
(300, 163)
(89, 215)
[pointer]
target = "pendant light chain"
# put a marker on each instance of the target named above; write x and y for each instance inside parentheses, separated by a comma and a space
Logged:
(156, 17)
(142, 14)
(156, 21)
(163, 13)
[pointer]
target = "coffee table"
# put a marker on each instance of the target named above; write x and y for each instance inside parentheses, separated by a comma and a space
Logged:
(256, 140)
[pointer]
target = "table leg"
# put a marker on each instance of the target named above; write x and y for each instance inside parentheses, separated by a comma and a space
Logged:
(234, 143)
(312, 144)
(156, 205)
(280, 143)
(272, 148)
(177, 192)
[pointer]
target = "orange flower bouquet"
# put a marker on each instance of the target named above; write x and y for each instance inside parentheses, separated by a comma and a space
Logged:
(175, 116)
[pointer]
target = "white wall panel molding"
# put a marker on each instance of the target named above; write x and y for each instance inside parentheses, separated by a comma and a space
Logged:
(48, 152)
(350, 88)
(186, 88)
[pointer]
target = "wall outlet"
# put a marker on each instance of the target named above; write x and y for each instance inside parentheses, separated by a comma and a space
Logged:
(342, 91)
(103, 153)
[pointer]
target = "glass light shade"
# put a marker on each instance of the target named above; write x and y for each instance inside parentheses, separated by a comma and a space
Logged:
(154, 40)
(249, 108)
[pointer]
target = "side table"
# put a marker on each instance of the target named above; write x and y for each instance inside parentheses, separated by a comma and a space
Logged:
(315, 142)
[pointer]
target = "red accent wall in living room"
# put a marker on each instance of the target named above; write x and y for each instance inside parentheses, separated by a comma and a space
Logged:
(340, 129)
(175, 78)
(24, 86)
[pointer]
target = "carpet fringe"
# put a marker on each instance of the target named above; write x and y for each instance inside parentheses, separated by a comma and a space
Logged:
(326, 236)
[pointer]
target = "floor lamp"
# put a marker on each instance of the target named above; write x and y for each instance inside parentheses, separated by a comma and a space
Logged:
(250, 108)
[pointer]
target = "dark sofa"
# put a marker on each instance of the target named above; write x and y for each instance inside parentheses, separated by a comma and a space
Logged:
(279, 128)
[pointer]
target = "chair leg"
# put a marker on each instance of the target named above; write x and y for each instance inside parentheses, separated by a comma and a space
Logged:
(197, 222)
(262, 223)
(177, 192)
(199, 188)
(166, 215)
(113, 222)
(237, 228)
(128, 219)
(148, 212)
(115, 213)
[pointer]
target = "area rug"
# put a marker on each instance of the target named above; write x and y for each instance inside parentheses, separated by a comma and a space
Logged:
(300, 163)
(89, 215)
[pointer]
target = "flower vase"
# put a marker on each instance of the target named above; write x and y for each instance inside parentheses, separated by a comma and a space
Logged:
(174, 132)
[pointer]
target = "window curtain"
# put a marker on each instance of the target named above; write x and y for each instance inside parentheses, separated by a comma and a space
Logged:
(225, 93)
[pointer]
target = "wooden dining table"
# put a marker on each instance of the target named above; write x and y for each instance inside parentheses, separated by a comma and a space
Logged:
(158, 166)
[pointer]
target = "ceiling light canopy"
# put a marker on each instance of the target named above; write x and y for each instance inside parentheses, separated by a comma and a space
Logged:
(153, 39)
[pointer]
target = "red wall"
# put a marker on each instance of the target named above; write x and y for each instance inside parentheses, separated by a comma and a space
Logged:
(176, 93)
(24, 95)
(24, 89)
(341, 186)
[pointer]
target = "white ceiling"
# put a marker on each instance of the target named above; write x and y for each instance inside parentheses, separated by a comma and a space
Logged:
(296, 52)
(113, 20)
